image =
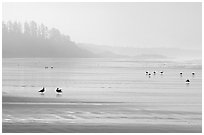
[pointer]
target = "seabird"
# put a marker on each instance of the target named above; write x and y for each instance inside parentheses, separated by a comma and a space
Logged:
(193, 73)
(154, 72)
(146, 72)
(181, 73)
(58, 91)
(42, 90)
(187, 81)
(161, 72)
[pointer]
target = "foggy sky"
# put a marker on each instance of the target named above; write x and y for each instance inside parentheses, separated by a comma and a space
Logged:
(117, 24)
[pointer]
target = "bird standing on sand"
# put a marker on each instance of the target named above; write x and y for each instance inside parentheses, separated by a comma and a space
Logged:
(161, 72)
(181, 73)
(42, 90)
(59, 91)
(149, 75)
(187, 81)
(193, 73)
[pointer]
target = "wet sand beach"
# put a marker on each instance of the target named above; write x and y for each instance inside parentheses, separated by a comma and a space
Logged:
(38, 115)
(96, 98)
(97, 128)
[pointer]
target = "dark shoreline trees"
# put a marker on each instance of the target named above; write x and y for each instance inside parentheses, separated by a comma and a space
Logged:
(33, 40)
(32, 29)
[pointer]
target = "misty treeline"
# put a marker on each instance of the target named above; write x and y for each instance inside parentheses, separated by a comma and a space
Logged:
(33, 30)
(37, 40)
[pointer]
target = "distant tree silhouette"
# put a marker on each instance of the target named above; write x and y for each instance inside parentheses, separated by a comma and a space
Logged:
(43, 31)
(4, 28)
(33, 28)
(27, 29)
(34, 40)
(54, 34)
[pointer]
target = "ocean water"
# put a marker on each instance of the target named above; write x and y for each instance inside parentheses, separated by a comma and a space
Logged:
(98, 90)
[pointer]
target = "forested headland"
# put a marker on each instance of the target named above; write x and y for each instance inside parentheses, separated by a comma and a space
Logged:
(30, 39)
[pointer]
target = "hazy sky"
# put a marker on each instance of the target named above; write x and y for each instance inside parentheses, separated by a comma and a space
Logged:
(118, 24)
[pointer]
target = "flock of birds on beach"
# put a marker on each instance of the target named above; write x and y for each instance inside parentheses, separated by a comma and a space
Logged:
(161, 72)
(59, 91)
(46, 67)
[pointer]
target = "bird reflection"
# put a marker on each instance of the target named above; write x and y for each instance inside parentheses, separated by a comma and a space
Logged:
(187, 84)
(58, 95)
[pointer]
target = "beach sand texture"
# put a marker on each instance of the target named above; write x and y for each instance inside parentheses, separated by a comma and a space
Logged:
(100, 95)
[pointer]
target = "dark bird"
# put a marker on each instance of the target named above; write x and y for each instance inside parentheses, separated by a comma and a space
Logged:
(161, 72)
(193, 73)
(59, 91)
(187, 81)
(154, 72)
(146, 72)
(52, 67)
(42, 90)
(180, 73)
